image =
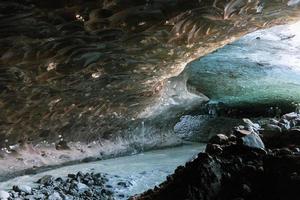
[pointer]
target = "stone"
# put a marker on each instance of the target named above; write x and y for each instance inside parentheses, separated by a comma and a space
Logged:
(273, 121)
(294, 132)
(271, 130)
(213, 149)
(284, 124)
(219, 139)
(81, 188)
(232, 138)
(72, 176)
(55, 196)
(290, 116)
(246, 190)
(62, 145)
(123, 184)
(250, 125)
(253, 140)
(241, 132)
(4, 195)
(22, 188)
(79, 174)
(46, 180)
(284, 152)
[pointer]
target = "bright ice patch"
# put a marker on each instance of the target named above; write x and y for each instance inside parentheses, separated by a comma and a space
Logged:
(261, 67)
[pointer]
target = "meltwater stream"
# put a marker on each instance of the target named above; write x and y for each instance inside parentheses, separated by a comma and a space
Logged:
(143, 171)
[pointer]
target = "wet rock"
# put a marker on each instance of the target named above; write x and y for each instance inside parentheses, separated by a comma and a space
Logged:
(295, 132)
(213, 149)
(271, 131)
(81, 188)
(232, 138)
(290, 116)
(284, 152)
(246, 190)
(284, 124)
(219, 139)
(253, 140)
(72, 176)
(22, 188)
(46, 180)
(80, 175)
(75, 186)
(274, 122)
(250, 125)
(241, 132)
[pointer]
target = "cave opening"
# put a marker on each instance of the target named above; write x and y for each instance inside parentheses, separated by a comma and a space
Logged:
(108, 99)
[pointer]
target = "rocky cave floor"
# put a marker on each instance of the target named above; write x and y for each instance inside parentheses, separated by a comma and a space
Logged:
(254, 161)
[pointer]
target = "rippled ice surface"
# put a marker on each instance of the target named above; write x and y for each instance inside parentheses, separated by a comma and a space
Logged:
(144, 171)
(263, 66)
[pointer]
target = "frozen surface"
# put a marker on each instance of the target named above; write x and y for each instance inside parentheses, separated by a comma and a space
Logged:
(143, 171)
(262, 67)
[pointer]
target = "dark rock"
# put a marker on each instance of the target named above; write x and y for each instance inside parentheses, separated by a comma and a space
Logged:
(62, 145)
(242, 132)
(72, 176)
(219, 139)
(284, 124)
(295, 132)
(46, 180)
(270, 130)
(123, 184)
(246, 190)
(232, 138)
(213, 149)
(80, 174)
(23, 188)
(284, 152)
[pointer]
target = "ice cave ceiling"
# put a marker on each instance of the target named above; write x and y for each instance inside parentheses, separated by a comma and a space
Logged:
(91, 69)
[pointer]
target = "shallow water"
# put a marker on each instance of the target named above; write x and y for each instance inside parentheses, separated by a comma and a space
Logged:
(143, 171)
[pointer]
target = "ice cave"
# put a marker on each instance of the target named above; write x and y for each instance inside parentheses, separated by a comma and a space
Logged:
(149, 99)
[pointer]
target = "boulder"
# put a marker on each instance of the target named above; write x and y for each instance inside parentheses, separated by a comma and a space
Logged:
(219, 139)
(253, 140)
(284, 124)
(213, 149)
(250, 125)
(81, 188)
(22, 188)
(290, 116)
(274, 121)
(271, 130)
(45, 180)
(242, 132)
